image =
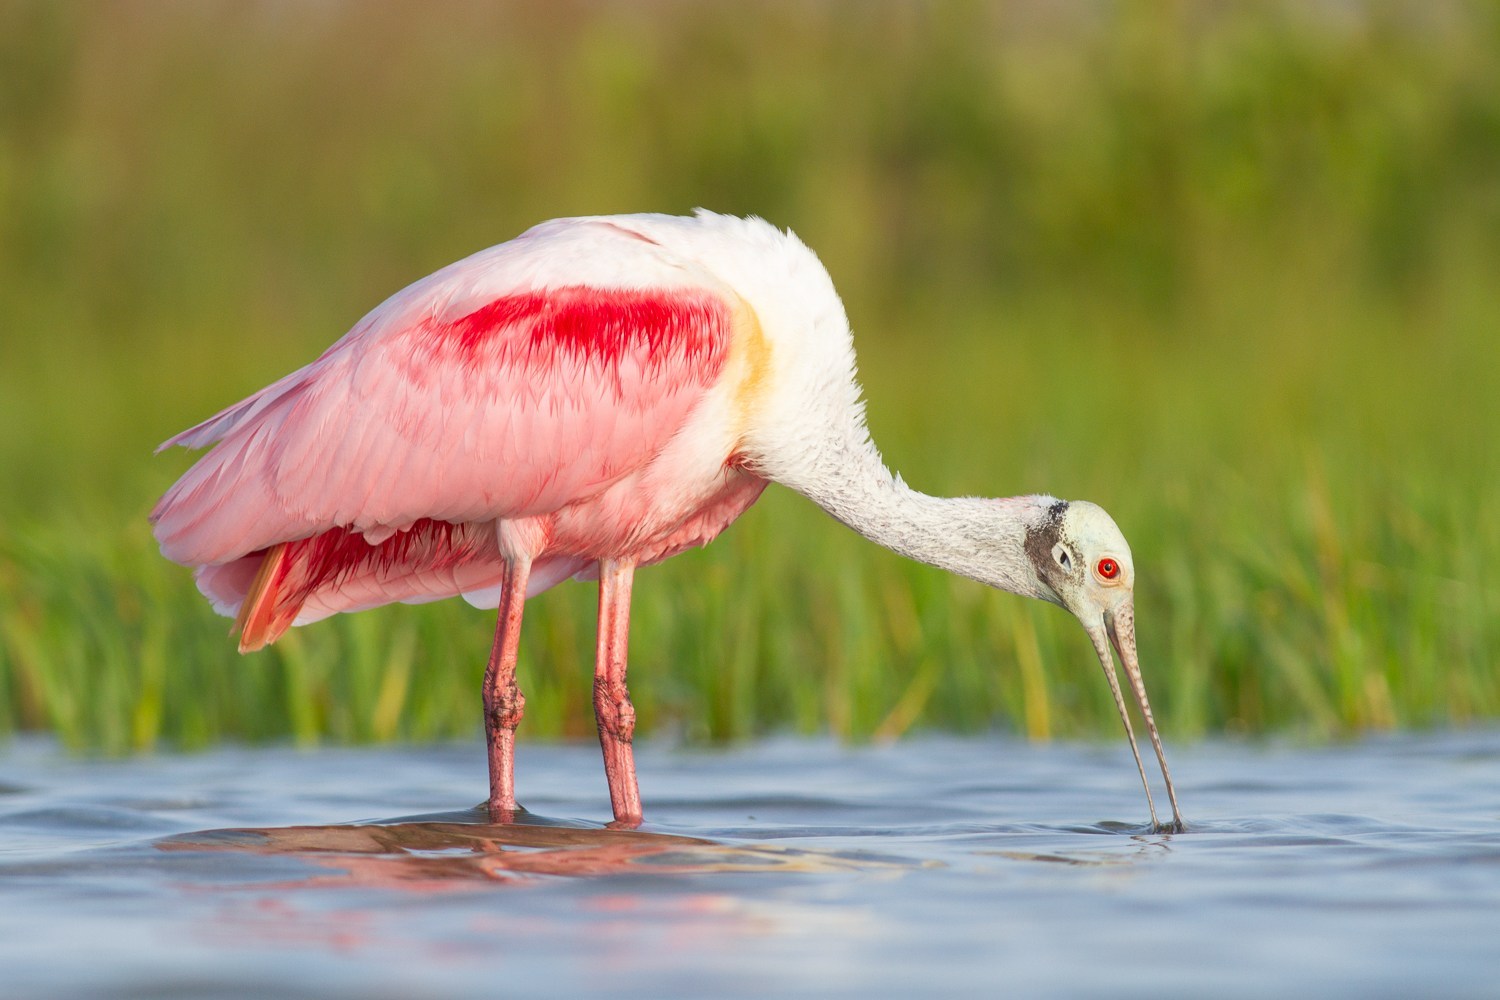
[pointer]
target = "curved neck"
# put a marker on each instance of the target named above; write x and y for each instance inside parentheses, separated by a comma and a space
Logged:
(982, 539)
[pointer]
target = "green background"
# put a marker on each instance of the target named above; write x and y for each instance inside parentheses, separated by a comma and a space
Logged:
(1229, 270)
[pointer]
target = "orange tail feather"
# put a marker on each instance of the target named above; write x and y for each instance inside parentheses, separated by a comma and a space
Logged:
(271, 606)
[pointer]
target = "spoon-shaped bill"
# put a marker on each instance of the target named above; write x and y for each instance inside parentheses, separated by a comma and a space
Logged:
(1101, 647)
(1119, 628)
(1121, 625)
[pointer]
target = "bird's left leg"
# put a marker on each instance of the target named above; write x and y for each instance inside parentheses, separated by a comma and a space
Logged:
(612, 707)
(503, 702)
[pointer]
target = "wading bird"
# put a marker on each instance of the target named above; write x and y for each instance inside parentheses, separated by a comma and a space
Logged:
(595, 395)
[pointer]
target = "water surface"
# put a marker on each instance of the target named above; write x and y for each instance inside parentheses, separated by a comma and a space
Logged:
(939, 866)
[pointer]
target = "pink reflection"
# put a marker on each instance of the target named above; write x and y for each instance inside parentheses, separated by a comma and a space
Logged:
(445, 857)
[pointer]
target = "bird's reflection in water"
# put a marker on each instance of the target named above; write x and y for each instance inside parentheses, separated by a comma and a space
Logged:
(452, 852)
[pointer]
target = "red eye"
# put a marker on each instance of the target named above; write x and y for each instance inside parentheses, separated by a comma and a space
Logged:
(1107, 569)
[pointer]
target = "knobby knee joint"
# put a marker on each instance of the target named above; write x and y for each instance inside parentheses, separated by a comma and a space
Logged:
(614, 710)
(505, 707)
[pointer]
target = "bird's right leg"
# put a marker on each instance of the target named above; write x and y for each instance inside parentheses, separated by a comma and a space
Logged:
(503, 702)
(612, 707)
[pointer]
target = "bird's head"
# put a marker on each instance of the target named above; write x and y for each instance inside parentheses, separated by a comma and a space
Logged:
(1082, 561)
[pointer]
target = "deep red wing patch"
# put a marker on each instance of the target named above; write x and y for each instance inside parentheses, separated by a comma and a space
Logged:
(595, 324)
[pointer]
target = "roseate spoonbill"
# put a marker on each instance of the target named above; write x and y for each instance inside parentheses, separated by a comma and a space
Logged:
(595, 395)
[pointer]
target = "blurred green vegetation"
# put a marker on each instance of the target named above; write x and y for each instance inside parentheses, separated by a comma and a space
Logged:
(1229, 270)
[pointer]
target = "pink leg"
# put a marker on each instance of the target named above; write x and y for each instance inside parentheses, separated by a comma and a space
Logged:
(612, 707)
(503, 702)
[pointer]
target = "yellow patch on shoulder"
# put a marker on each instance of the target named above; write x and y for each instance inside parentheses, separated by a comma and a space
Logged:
(749, 365)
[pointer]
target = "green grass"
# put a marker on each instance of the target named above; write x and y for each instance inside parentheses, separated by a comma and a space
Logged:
(1231, 274)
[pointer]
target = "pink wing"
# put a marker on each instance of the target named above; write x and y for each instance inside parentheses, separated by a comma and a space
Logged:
(478, 393)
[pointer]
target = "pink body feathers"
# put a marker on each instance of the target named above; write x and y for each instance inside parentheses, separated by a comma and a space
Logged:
(450, 427)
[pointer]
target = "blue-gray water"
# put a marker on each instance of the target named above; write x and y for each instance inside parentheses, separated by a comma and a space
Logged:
(943, 867)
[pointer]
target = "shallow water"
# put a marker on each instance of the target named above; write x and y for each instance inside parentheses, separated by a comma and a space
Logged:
(937, 866)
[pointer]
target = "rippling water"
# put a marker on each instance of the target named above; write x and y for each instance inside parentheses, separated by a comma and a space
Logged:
(953, 867)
